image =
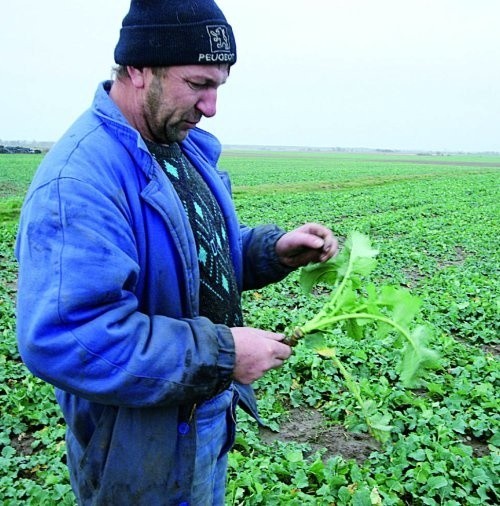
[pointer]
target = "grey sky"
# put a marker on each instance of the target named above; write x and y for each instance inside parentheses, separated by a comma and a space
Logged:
(399, 74)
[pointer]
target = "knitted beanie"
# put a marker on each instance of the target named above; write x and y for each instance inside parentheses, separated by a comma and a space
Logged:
(161, 33)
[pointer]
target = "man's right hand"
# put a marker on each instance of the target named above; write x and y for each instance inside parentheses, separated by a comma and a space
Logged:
(257, 351)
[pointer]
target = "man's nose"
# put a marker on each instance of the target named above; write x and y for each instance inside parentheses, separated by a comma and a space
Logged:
(207, 104)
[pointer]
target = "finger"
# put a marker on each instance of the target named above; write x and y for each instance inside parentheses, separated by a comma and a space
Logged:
(307, 240)
(330, 250)
(277, 363)
(274, 336)
(330, 243)
(283, 351)
(318, 230)
(321, 233)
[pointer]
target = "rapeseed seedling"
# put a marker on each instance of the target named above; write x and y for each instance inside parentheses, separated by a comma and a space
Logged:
(353, 303)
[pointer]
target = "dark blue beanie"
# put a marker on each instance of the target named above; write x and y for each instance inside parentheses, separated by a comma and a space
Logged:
(161, 33)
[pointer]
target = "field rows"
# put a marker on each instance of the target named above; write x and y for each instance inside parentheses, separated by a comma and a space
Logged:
(435, 221)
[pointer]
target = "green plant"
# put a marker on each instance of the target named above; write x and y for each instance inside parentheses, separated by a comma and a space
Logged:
(353, 303)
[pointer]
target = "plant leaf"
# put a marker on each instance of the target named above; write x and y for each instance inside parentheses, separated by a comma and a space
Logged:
(314, 341)
(363, 266)
(354, 329)
(312, 274)
(360, 245)
(362, 254)
(404, 305)
(416, 359)
(379, 424)
(317, 342)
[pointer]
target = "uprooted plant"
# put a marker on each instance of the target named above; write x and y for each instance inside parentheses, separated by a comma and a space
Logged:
(354, 302)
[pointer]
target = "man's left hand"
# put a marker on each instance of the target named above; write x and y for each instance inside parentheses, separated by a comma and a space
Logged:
(309, 243)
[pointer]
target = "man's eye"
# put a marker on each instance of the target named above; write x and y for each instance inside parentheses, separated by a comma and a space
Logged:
(196, 86)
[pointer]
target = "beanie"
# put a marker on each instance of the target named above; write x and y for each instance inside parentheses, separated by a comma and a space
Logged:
(161, 33)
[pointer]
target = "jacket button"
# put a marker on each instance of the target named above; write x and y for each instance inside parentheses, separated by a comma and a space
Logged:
(183, 429)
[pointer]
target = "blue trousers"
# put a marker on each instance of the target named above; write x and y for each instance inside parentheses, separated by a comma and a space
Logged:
(215, 431)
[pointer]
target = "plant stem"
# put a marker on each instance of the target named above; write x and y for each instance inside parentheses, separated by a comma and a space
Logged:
(354, 388)
(327, 321)
(339, 290)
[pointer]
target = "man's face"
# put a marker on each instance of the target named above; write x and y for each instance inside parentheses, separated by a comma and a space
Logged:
(176, 98)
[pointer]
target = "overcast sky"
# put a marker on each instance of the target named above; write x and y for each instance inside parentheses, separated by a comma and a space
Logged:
(395, 74)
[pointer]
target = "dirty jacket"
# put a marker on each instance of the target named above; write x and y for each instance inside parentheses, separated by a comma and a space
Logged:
(107, 306)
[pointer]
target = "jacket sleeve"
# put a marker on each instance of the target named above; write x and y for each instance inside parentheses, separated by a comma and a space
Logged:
(261, 265)
(79, 324)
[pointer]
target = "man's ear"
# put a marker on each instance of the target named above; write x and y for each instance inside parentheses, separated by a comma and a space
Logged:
(137, 76)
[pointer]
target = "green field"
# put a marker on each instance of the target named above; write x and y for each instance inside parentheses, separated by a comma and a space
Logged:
(435, 220)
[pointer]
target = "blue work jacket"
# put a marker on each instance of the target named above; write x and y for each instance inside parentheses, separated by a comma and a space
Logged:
(107, 306)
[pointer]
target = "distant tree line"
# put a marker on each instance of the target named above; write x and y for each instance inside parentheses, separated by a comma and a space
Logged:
(19, 149)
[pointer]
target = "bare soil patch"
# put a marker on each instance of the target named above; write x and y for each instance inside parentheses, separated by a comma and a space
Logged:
(23, 443)
(311, 427)
(459, 259)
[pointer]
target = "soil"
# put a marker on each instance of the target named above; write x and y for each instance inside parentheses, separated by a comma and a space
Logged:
(311, 427)
(23, 443)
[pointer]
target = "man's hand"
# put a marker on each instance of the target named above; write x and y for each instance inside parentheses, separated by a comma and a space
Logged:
(257, 351)
(309, 243)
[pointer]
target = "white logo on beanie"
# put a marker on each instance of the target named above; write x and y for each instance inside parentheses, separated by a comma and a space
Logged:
(220, 46)
(219, 39)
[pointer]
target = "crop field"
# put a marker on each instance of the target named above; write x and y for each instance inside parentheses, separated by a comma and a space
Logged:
(435, 222)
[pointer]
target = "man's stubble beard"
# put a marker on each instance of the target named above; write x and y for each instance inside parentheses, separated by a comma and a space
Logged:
(158, 125)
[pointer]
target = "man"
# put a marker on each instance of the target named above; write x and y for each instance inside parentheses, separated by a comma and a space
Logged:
(131, 265)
